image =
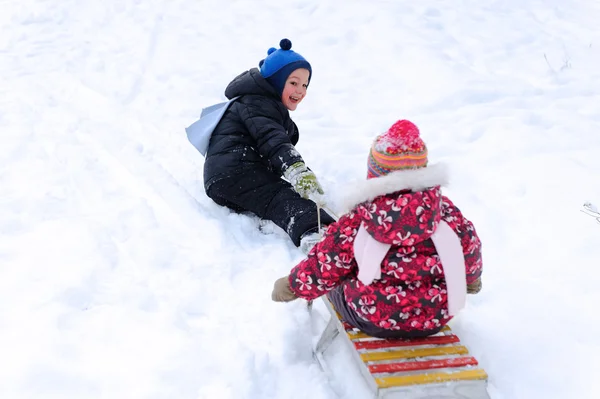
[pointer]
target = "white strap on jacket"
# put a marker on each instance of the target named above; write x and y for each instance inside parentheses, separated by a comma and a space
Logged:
(449, 249)
(369, 254)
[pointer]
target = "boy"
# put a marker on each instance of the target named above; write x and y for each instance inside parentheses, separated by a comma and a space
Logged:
(252, 147)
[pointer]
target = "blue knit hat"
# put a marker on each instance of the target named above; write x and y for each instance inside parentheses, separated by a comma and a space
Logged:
(279, 64)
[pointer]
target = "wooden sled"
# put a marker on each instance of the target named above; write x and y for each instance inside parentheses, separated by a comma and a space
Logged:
(433, 367)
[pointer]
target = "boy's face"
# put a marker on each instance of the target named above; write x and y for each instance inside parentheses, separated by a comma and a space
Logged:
(295, 88)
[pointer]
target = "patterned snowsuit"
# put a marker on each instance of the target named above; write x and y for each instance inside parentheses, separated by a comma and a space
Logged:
(402, 209)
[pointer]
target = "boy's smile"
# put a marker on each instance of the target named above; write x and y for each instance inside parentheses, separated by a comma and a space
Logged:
(295, 88)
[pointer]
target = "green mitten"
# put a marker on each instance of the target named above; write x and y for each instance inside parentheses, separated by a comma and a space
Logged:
(303, 180)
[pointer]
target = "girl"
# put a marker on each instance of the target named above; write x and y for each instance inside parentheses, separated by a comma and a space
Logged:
(400, 262)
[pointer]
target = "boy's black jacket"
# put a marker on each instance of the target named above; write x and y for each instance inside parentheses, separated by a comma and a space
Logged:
(255, 132)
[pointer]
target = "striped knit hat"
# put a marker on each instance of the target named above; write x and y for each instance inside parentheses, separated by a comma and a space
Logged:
(399, 148)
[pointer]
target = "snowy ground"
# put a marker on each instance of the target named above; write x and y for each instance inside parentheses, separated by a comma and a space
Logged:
(119, 278)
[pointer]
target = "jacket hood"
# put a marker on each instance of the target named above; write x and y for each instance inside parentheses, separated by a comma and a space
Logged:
(251, 82)
(401, 208)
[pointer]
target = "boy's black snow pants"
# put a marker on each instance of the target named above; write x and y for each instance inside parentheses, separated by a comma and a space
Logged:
(269, 197)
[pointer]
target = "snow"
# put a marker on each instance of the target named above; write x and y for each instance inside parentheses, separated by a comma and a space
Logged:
(119, 278)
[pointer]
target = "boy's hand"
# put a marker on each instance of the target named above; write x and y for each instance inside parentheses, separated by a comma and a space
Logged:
(304, 181)
(474, 287)
(282, 291)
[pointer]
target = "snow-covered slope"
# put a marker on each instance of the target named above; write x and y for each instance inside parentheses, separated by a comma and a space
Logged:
(119, 278)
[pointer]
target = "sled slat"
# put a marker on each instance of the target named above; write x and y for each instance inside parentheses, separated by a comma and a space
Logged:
(352, 334)
(413, 353)
(393, 343)
(429, 378)
(422, 365)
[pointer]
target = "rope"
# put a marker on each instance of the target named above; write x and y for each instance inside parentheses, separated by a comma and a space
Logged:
(324, 207)
(319, 220)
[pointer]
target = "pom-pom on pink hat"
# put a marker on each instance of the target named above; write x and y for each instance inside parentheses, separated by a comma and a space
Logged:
(400, 148)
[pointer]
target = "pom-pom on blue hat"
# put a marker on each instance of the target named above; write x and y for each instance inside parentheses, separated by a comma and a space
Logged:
(280, 63)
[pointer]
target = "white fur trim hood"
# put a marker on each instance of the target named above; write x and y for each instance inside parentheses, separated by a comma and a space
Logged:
(415, 180)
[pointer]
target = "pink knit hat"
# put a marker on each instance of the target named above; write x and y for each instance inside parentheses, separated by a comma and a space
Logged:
(399, 148)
